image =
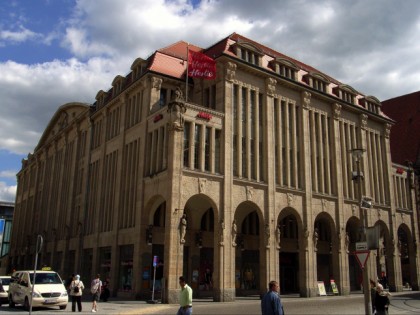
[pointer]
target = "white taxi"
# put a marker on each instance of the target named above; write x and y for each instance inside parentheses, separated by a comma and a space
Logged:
(4, 288)
(49, 289)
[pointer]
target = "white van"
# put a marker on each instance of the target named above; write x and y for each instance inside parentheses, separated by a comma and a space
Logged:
(49, 289)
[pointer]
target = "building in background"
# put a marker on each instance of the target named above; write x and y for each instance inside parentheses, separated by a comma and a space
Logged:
(405, 138)
(249, 178)
(6, 218)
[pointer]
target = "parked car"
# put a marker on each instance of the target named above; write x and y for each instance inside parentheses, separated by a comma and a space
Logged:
(49, 289)
(4, 288)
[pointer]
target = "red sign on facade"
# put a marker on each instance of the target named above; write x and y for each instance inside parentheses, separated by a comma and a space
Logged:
(157, 118)
(204, 115)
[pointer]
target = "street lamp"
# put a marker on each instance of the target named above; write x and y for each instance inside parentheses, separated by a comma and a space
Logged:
(357, 155)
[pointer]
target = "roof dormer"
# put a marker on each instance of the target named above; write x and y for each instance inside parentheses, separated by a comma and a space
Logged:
(101, 97)
(371, 103)
(138, 67)
(117, 85)
(345, 93)
(248, 52)
(317, 81)
(285, 68)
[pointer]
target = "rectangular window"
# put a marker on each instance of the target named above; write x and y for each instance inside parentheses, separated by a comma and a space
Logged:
(163, 97)
(187, 127)
(207, 149)
(217, 157)
(197, 146)
(125, 277)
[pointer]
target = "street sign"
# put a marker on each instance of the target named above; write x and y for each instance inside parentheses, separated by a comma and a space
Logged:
(361, 246)
(362, 256)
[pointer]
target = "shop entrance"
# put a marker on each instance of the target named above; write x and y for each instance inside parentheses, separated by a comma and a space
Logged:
(289, 273)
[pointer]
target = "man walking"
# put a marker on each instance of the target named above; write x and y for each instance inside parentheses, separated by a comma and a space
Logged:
(185, 298)
(270, 303)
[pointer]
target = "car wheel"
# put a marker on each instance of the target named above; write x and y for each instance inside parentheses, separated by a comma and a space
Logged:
(63, 307)
(26, 305)
(11, 303)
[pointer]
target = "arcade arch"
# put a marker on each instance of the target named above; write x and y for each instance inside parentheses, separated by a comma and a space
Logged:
(249, 268)
(290, 226)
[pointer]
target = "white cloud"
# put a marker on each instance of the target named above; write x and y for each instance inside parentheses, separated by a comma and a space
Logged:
(7, 193)
(18, 36)
(8, 174)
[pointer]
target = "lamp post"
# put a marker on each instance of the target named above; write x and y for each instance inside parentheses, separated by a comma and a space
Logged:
(357, 154)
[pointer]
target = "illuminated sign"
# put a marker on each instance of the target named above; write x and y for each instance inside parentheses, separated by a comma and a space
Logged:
(157, 118)
(204, 115)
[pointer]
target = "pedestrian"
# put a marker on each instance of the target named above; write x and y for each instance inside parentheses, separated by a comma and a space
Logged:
(159, 276)
(76, 288)
(105, 293)
(95, 289)
(69, 281)
(208, 279)
(271, 303)
(185, 298)
(381, 300)
(373, 294)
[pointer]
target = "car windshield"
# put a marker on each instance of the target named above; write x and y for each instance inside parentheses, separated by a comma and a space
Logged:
(5, 281)
(46, 278)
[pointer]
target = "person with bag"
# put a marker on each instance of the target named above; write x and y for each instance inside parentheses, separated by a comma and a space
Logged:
(95, 289)
(381, 300)
(271, 303)
(76, 288)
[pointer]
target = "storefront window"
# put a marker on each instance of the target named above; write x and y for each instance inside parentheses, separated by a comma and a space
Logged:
(104, 262)
(126, 267)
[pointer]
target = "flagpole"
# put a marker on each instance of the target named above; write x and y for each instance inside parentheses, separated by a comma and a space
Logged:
(186, 76)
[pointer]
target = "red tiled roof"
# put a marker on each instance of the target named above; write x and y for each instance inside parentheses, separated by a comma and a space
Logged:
(405, 134)
(167, 64)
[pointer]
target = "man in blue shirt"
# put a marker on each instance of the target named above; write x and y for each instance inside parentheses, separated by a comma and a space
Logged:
(270, 303)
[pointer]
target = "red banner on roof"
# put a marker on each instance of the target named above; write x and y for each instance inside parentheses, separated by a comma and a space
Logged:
(201, 66)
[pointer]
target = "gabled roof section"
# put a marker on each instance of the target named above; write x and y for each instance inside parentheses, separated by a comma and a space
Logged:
(179, 49)
(62, 118)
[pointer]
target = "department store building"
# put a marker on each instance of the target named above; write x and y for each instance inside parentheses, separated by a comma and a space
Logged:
(252, 176)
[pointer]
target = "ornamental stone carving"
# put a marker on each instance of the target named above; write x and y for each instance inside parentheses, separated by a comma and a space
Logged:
(156, 83)
(249, 192)
(176, 110)
(230, 71)
(363, 121)
(267, 235)
(202, 185)
(387, 130)
(290, 199)
(278, 236)
(271, 86)
(306, 99)
(222, 232)
(234, 233)
(337, 111)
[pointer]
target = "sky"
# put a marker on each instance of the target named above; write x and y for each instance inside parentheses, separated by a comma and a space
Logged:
(57, 51)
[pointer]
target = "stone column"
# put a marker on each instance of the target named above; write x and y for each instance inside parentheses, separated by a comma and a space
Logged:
(307, 255)
(343, 280)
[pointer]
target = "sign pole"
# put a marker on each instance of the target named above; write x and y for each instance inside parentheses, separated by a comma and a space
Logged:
(39, 242)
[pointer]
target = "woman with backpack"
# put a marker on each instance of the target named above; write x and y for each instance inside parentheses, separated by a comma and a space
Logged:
(76, 288)
(95, 289)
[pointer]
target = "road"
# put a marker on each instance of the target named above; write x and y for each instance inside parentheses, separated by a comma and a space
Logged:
(401, 303)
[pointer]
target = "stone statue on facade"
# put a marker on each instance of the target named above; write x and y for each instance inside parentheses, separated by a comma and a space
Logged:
(234, 232)
(315, 238)
(278, 236)
(267, 235)
(177, 109)
(183, 227)
(222, 232)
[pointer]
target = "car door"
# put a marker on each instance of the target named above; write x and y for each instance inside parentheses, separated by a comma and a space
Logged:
(23, 287)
